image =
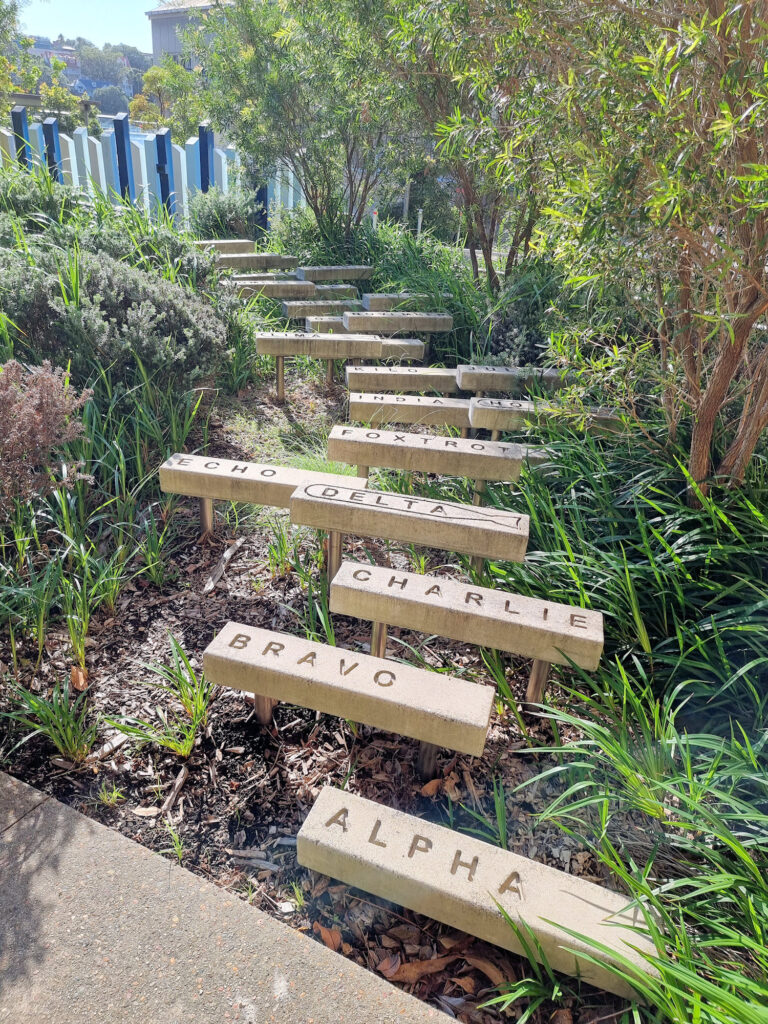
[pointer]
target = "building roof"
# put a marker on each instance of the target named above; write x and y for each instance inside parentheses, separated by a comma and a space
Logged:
(179, 6)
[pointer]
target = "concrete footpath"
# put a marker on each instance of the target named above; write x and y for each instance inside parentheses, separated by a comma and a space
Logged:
(95, 928)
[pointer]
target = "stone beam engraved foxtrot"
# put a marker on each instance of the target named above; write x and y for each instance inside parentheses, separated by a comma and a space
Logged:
(430, 453)
(544, 630)
(428, 706)
(463, 881)
(470, 529)
(228, 480)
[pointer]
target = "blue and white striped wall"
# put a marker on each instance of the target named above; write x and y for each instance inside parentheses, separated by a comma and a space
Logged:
(147, 168)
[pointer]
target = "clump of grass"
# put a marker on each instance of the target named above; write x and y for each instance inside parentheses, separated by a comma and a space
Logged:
(62, 721)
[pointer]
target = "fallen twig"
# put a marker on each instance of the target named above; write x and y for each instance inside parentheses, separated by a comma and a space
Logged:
(173, 796)
(224, 561)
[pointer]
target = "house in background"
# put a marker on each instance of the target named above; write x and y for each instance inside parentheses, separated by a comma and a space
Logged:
(168, 20)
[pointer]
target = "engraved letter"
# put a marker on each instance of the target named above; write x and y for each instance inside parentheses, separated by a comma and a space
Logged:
(451, 444)
(372, 838)
(472, 598)
(372, 434)
(403, 583)
(274, 647)
(512, 884)
(384, 672)
(345, 432)
(437, 510)
(345, 671)
(184, 462)
(240, 641)
(420, 844)
(268, 472)
(309, 658)
(239, 469)
(582, 624)
(511, 611)
(212, 465)
(361, 574)
(470, 865)
(357, 496)
(339, 818)
(330, 492)
(434, 589)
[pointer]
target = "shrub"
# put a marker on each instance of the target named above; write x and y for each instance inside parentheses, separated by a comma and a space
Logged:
(38, 415)
(87, 308)
(235, 214)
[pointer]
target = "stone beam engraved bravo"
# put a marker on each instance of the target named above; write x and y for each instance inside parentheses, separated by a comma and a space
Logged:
(462, 881)
(429, 453)
(369, 408)
(544, 630)
(345, 346)
(470, 529)
(428, 706)
(227, 480)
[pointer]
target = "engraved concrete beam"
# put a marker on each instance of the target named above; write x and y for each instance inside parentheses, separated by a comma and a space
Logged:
(428, 706)
(277, 289)
(227, 246)
(384, 302)
(450, 526)
(299, 310)
(544, 630)
(429, 453)
(257, 261)
(430, 379)
(463, 881)
(332, 346)
(336, 273)
(335, 291)
(326, 324)
(515, 380)
(380, 408)
(394, 323)
(199, 476)
(515, 414)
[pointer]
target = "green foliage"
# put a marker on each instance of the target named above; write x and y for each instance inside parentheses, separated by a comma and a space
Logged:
(60, 720)
(217, 214)
(110, 99)
(174, 731)
(299, 83)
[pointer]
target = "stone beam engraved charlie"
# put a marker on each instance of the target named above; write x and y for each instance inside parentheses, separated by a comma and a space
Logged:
(419, 846)
(274, 648)
(500, 603)
(421, 507)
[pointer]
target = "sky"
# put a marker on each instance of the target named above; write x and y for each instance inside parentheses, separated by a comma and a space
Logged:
(101, 21)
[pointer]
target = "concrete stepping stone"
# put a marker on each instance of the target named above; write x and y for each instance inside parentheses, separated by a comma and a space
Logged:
(227, 246)
(384, 302)
(515, 380)
(326, 324)
(441, 710)
(277, 289)
(402, 378)
(546, 631)
(319, 307)
(257, 261)
(335, 291)
(381, 408)
(430, 453)
(336, 273)
(212, 479)
(463, 882)
(499, 414)
(394, 323)
(430, 522)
